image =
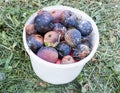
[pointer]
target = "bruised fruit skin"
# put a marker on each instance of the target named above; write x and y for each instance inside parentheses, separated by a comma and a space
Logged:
(68, 19)
(86, 41)
(63, 49)
(73, 37)
(43, 22)
(67, 60)
(51, 38)
(59, 28)
(81, 52)
(85, 27)
(35, 42)
(56, 14)
(49, 54)
(30, 29)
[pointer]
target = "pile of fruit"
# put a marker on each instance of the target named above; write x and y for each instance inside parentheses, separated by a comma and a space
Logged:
(59, 36)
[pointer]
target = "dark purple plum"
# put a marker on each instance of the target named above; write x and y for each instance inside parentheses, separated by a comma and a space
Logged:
(68, 19)
(67, 60)
(43, 22)
(49, 54)
(73, 37)
(51, 38)
(35, 42)
(30, 29)
(85, 27)
(81, 52)
(63, 49)
(61, 29)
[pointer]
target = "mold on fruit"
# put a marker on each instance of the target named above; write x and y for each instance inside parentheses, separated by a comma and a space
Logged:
(73, 37)
(81, 52)
(61, 29)
(35, 42)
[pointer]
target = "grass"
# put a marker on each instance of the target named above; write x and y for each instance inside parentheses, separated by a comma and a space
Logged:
(100, 75)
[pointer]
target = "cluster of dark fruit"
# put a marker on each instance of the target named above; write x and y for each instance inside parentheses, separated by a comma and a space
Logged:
(59, 36)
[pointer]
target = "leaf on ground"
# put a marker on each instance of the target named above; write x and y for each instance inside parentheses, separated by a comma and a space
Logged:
(2, 76)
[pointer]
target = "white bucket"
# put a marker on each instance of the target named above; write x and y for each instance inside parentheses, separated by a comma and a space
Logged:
(57, 73)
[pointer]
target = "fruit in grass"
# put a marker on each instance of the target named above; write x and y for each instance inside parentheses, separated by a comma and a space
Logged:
(81, 52)
(67, 60)
(73, 37)
(59, 28)
(43, 22)
(49, 54)
(30, 29)
(51, 38)
(35, 42)
(56, 14)
(85, 27)
(63, 49)
(68, 19)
